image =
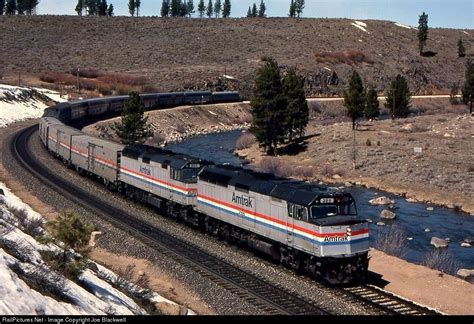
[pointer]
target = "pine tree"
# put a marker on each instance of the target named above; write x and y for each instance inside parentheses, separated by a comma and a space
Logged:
(422, 31)
(453, 95)
(79, 7)
(226, 9)
(261, 10)
(371, 109)
(31, 6)
(102, 10)
(249, 13)
(354, 98)
(254, 10)
(297, 113)
(292, 13)
(398, 98)
(92, 7)
(20, 7)
(268, 107)
(217, 8)
(175, 8)
(133, 127)
(2, 7)
(468, 87)
(299, 6)
(131, 7)
(137, 6)
(10, 8)
(201, 8)
(110, 10)
(461, 48)
(165, 8)
(75, 233)
(210, 9)
(190, 7)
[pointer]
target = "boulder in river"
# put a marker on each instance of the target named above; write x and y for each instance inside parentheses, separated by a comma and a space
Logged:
(466, 274)
(464, 244)
(429, 208)
(380, 224)
(438, 242)
(381, 201)
(387, 214)
(468, 240)
(411, 200)
(427, 230)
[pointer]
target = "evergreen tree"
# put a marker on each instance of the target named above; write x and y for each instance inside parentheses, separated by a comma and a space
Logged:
(217, 8)
(92, 7)
(137, 6)
(354, 98)
(297, 113)
(10, 9)
(102, 10)
(190, 7)
(201, 8)
(2, 7)
(299, 6)
(226, 9)
(131, 7)
(175, 8)
(20, 7)
(371, 109)
(422, 31)
(79, 7)
(468, 87)
(254, 10)
(461, 49)
(133, 127)
(453, 95)
(262, 9)
(292, 13)
(110, 10)
(210, 9)
(268, 107)
(31, 6)
(183, 9)
(73, 232)
(249, 12)
(398, 98)
(165, 8)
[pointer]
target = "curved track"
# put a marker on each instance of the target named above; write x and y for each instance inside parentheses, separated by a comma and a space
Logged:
(262, 294)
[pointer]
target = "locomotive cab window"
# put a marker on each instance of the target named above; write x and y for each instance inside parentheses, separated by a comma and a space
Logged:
(298, 212)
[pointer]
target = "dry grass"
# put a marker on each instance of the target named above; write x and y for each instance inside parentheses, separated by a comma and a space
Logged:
(245, 140)
(392, 240)
(440, 259)
(343, 57)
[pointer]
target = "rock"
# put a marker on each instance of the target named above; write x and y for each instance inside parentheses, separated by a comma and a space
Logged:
(2, 193)
(464, 244)
(409, 238)
(427, 230)
(381, 201)
(369, 220)
(466, 274)
(336, 176)
(380, 224)
(430, 208)
(438, 242)
(387, 214)
(447, 239)
(411, 200)
(347, 184)
(468, 240)
(392, 207)
(358, 183)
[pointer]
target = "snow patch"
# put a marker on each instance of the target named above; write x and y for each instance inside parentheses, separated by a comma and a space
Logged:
(18, 103)
(465, 32)
(360, 25)
(404, 26)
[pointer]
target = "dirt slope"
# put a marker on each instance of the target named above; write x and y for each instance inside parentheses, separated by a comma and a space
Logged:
(178, 53)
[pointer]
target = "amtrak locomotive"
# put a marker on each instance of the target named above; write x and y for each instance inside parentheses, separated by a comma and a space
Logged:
(304, 226)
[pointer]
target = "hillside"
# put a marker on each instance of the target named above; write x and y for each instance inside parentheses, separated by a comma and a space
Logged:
(178, 53)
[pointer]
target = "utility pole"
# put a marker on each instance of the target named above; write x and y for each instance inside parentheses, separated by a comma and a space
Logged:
(354, 164)
(78, 83)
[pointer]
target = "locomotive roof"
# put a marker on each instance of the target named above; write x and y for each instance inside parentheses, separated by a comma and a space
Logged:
(175, 160)
(295, 191)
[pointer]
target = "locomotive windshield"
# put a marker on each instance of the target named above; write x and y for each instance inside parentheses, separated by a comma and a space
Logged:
(327, 207)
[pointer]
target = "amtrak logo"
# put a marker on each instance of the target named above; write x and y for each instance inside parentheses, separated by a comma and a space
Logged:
(242, 200)
(336, 238)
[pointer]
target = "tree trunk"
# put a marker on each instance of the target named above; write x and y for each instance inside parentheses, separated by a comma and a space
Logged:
(470, 106)
(353, 123)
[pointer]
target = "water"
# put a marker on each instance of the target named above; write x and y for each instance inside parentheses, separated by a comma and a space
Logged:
(412, 218)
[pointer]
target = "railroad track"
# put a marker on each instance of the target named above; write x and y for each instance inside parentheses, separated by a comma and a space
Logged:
(269, 298)
(385, 300)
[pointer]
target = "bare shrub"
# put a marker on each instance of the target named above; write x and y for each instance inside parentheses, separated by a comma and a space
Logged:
(392, 240)
(88, 85)
(470, 168)
(56, 77)
(245, 140)
(156, 140)
(149, 89)
(122, 79)
(327, 170)
(105, 90)
(304, 172)
(86, 73)
(268, 164)
(440, 259)
(123, 90)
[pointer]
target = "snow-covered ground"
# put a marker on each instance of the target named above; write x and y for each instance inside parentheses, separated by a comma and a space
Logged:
(18, 103)
(360, 24)
(404, 26)
(20, 253)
